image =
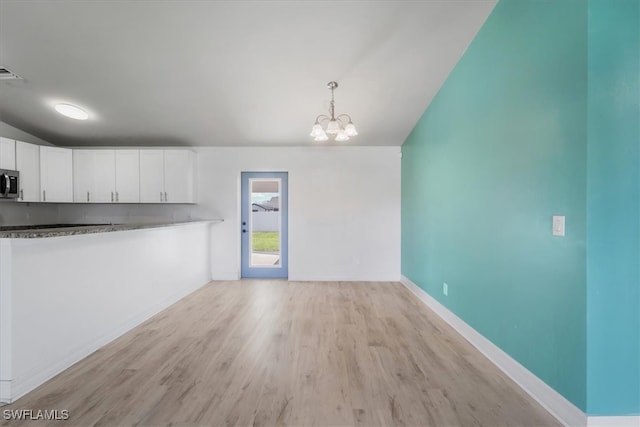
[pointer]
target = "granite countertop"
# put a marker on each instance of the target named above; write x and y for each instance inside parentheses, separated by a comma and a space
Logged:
(57, 230)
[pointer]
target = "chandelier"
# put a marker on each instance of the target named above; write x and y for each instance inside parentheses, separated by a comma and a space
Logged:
(340, 126)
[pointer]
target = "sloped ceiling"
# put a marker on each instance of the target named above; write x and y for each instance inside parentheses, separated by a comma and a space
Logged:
(227, 73)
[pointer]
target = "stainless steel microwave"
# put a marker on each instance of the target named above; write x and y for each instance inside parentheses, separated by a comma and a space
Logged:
(9, 184)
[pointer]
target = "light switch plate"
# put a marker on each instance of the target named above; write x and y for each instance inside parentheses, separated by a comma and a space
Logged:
(558, 225)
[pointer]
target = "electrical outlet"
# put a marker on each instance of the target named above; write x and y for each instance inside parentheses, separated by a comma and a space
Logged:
(445, 289)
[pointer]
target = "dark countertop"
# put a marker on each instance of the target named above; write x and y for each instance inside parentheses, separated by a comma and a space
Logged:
(57, 230)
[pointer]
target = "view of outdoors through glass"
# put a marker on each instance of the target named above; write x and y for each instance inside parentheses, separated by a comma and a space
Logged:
(265, 222)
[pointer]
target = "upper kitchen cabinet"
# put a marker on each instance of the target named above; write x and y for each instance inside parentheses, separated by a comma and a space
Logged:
(127, 176)
(94, 176)
(106, 176)
(28, 164)
(7, 153)
(167, 176)
(152, 176)
(56, 174)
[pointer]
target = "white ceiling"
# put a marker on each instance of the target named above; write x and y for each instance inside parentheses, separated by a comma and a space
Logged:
(227, 73)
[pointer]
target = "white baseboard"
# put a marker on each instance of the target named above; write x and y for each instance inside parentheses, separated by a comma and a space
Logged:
(565, 411)
(5, 391)
(36, 377)
(625, 421)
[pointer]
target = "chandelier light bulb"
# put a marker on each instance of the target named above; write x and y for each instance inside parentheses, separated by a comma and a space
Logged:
(342, 136)
(316, 130)
(350, 129)
(322, 137)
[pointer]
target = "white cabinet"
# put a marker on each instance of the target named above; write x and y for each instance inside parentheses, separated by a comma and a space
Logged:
(7, 153)
(167, 176)
(28, 164)
(82, 175)
(106, 176)
(94, 176)
(152, 176)
(56, 174)
(127, 176)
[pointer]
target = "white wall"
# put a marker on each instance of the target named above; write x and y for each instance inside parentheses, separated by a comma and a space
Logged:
(344, 208)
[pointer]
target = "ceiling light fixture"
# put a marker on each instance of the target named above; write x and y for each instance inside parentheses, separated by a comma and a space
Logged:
(72, 111)
(338, 126)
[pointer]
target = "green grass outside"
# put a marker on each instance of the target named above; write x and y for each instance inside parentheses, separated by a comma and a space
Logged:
(266, 241)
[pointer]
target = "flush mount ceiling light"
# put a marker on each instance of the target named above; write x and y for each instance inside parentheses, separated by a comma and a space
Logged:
(72, 111)
(340, 126)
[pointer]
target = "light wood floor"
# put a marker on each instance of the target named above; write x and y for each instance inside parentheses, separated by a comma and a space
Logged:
(271, 353)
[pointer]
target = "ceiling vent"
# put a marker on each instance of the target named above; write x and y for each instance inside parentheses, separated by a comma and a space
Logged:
(7, 74)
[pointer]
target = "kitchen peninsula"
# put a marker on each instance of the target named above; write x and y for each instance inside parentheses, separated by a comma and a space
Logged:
(65, 291)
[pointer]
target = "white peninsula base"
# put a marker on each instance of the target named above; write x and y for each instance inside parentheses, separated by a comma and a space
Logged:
(62, 298)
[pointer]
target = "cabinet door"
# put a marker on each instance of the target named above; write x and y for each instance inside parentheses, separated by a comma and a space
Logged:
(28, 164)
(56, 174)
(7, 153)
(151, 176)
(82, 175)
(104, 176)
(178, 176)
(128, 176)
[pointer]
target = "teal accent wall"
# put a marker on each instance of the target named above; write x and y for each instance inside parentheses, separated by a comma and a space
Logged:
(540, 117)
(613, 215)
(500, 150)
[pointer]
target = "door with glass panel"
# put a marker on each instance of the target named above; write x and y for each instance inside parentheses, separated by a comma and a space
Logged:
(264, 224)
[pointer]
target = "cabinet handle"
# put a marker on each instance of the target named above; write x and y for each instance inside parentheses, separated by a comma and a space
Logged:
(161, 196)
(117, 196)
(88, 197)
(165, 197)
(112, 197)
(21, 194)
(44, 195)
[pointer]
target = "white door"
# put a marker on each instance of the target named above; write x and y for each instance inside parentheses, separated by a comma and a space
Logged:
(128, 176)
(104, 176)
(151, 176)
(28, 163)
(7, 153)
(178, 176)
(82, 176)
(56, 174)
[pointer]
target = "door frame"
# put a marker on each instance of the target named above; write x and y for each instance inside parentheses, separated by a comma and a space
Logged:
(246, 271)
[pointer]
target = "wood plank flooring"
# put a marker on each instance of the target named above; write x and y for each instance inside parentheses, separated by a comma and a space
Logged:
(275, 353)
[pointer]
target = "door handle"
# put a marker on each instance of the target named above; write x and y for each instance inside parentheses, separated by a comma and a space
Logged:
(244, 231)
